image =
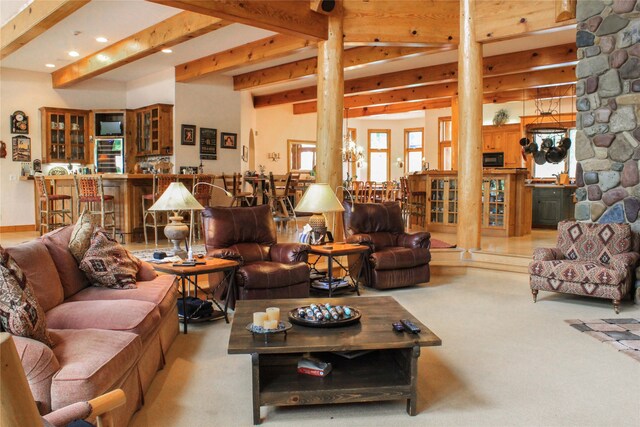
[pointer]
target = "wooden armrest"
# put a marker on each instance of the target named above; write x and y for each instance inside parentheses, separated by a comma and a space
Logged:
(107, 402)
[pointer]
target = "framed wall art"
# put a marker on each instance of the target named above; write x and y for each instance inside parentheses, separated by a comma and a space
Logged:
(208, 141)
(21, 149)
(19, 123)
(228, 140)
(188, 135)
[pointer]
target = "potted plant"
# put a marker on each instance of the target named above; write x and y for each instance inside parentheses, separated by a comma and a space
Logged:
(501, 117)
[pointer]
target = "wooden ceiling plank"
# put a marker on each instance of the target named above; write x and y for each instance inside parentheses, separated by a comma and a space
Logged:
(402, 107)
(34, 20)
(530, 60)
(534, 79)
(508, 19)
(283, 16)
(406, 21)
(170, 32)
(251, 53)
(308, 67)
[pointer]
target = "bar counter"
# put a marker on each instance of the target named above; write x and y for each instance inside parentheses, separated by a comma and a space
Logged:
(127, 190)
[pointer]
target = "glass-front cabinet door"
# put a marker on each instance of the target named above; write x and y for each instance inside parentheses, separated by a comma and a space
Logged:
(77, 141)
(57, 136)
(436, 201)
(494, 192)
(452, 200)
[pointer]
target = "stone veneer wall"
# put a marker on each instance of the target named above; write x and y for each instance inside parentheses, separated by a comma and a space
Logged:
(608, 118)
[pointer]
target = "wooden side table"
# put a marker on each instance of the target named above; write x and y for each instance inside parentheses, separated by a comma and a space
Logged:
(333, 250)
(211, 265)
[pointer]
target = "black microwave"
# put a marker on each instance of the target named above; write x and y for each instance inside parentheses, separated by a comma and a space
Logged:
(492, 160)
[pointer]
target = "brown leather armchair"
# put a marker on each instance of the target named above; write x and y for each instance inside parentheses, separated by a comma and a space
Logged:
(397, 259)
(268, 269)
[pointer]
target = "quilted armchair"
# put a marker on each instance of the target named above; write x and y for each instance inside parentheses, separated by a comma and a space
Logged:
(396, 259)
(595, 260)
(268, 269)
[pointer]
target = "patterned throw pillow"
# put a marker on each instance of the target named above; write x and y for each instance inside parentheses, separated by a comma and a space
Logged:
(81, 235)
(20, 313)
(107, 264)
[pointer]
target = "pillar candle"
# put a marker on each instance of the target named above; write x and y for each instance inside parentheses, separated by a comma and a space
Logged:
(273, 313)
(259, 318)
(271, 324)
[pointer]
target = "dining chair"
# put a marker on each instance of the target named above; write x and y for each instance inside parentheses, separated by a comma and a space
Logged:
(233, 184)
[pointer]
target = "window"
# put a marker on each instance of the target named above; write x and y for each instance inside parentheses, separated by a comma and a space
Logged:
(413, 149)
(302, 155)
(379, 164)
(444, 143)
(568, 165)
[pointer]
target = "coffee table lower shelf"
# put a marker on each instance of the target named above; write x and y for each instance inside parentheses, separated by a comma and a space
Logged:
(375, 376)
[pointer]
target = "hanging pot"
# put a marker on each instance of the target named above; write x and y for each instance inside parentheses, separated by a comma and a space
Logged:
(555, 155)
(533, 148)
(565, 143)
(546, 143)
(524, 141)
(539, 157)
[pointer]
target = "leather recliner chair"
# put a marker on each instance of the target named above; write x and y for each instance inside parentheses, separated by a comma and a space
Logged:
(268, 269)
(396, 259)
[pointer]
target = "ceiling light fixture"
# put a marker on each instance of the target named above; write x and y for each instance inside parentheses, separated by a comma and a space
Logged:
(101, 39)
(50, 65)
(103, 57)
(73, 53)
(166, 51)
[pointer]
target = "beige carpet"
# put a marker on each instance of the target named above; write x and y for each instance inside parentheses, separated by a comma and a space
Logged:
(505, 361)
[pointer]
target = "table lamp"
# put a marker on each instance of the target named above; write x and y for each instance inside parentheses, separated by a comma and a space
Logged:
(318, 199)
(177, 198)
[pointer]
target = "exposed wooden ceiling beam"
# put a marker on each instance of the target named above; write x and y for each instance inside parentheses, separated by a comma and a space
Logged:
(247, 54)
(283, 16)
(508, 19)
(308, 67)
(34, 20)
(407, 21)
(534, 59)
(170, 32)
(551, 77)
(402, 107)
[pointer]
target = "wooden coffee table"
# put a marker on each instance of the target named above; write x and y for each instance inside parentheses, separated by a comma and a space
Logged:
(389, 372)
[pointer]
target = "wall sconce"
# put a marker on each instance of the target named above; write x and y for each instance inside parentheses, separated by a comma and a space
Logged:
(400, 162)
(273, 156)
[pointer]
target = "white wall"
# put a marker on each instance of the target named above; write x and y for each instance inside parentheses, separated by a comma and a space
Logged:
(211, 103)
(28, 91)
(157, 88)
(274, 126)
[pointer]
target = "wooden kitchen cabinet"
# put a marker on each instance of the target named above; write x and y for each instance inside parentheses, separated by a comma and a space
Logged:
(154, 130)
(504, 139)
(65, 135)
(551, 205)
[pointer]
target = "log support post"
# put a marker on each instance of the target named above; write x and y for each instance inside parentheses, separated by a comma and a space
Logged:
(469, 130)
(330, 111)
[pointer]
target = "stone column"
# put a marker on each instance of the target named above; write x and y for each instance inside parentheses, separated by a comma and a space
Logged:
(608, 118)
(330, 110)
(469, 131)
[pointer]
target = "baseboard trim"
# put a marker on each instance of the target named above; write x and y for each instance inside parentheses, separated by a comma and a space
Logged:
(16, 228)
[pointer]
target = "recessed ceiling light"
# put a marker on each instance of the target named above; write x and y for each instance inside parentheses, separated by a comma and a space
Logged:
(101, 39)
(166, 51)
(50, 65)
(73, 53)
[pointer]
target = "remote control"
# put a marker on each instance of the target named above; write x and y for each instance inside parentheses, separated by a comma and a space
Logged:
(397, 326)
(410, 326)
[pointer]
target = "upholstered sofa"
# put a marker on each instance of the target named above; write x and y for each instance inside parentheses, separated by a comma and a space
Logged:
(595, 260)
(396, 259)
(268, 269)
(103, 338)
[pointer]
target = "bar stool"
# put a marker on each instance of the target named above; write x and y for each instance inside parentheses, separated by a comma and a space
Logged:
(50, 213)
(233, 185)
(202, 194)
(160, 184)
(90, 191)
